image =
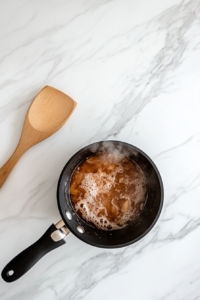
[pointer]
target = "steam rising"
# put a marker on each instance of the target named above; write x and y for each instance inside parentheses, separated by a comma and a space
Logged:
(118, 150)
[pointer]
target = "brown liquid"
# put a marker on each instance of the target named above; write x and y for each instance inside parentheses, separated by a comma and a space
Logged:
(108, 190)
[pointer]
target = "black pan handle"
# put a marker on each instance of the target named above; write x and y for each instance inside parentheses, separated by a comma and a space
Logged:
(25, 260)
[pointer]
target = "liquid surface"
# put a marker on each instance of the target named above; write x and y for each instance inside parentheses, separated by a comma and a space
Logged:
(108, 190)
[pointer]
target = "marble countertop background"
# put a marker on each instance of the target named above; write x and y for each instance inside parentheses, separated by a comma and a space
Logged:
(134, 69)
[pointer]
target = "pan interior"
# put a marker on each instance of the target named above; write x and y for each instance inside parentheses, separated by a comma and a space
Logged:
(136, 229)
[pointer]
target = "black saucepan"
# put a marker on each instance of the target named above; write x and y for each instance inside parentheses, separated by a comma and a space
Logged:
(71, 222)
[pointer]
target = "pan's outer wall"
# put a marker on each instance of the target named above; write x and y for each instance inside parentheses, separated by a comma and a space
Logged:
(135, 230)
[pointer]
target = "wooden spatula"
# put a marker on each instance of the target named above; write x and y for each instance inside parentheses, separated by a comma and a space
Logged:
(47, 114)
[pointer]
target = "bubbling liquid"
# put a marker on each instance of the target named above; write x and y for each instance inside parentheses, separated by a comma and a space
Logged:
(108, 190)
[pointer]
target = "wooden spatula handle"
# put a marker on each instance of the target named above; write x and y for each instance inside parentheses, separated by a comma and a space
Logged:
(9, 165)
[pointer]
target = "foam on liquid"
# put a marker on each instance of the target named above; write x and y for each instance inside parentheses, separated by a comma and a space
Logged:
(108, 190)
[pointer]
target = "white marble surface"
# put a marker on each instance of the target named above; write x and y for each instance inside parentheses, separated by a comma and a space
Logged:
(134, 69)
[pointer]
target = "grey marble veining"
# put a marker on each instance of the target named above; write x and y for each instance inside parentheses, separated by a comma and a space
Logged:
(134, 69)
